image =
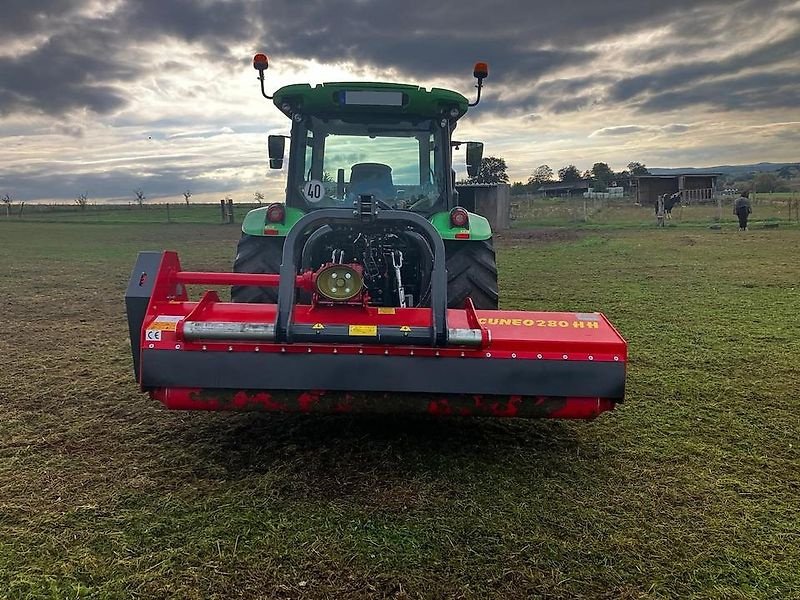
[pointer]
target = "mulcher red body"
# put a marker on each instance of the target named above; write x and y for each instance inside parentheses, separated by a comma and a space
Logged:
(367, 294)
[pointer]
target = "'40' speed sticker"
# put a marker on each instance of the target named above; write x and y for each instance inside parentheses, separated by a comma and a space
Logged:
(314, 191)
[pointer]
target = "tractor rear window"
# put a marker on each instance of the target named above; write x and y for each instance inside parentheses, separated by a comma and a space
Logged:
(397, 163)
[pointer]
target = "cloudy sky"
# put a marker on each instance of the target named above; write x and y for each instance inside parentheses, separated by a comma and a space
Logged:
(104, 96)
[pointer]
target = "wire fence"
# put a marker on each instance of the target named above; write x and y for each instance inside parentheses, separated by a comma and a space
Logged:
(526, 211)
(537, 211)
(163, 212)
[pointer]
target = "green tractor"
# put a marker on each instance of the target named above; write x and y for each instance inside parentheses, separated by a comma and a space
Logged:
(372, 147)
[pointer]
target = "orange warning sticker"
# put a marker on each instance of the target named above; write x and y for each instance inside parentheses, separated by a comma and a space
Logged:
(164, 323)
(386, 310)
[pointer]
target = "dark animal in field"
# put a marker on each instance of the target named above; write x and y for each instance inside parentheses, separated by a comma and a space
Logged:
(669, 202)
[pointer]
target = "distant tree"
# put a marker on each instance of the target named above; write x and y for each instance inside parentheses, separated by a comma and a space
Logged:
(765, 183)
(82, 200)
(602, 174)
(258, 197)
(623, 179)
(140, 197)
(493, 170)
(7, 200)
(569, 174)
(541, 175)
(636, 169)
(518, 188)
(587, 175)
(186, 195)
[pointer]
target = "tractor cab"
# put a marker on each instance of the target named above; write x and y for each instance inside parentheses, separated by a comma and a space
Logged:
(389, 141)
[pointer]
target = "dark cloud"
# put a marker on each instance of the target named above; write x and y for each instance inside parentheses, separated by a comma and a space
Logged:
(88, 54)
(438, 39)
(87, 59)
(23, 17)
(684, 74)
(217, 26)
(756, 91)
(68, 71)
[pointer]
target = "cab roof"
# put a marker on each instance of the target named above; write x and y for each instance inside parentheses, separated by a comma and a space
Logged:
(368, 98)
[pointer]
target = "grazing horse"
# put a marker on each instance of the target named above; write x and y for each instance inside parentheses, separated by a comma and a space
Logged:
(671, 202)
(666, 203)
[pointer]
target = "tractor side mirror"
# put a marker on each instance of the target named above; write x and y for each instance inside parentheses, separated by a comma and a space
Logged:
(276, 145)
(474, 158)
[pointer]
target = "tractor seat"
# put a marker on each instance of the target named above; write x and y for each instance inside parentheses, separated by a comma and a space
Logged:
(372, 178)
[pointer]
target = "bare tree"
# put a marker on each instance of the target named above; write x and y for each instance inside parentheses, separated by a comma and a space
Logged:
(258, 197)
(140, 197)
(7, 200)
(82, 199)
(186, 195)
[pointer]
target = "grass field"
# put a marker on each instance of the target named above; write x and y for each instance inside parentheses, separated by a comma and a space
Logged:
(689, 490)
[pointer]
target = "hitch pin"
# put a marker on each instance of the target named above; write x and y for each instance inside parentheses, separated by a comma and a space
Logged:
(397, 262)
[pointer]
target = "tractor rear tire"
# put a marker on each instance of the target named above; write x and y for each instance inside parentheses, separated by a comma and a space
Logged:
(257, 254)
(471, 272)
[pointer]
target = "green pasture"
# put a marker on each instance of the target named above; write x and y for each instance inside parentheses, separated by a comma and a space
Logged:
(690, 489)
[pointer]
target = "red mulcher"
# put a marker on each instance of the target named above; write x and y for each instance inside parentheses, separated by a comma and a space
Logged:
(344, 355)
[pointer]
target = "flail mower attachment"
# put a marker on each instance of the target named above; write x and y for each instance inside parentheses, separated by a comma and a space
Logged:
(339, 354)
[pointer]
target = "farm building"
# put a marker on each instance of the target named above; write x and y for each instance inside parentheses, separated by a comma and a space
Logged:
(694, 187)
(491, 200)
(558, 189)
